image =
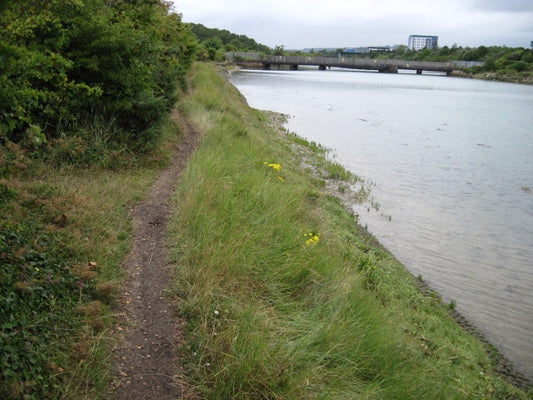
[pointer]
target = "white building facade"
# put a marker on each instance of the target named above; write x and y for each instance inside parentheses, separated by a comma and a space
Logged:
(419, 42)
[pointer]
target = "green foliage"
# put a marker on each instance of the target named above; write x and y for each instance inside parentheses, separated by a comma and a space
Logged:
(63, 235)
(215, 42)
(279, 50)
(38, 291)
(337, 171)
(65, 63)
(497, 59)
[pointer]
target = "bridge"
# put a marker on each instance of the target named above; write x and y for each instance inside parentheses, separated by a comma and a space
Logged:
(381, 65)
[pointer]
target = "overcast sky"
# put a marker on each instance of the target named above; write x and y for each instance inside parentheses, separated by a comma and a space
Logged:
(298, 24)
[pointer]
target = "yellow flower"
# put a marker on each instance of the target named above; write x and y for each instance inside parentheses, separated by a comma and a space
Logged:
(281, 179)
(275, 166)
(313, 238)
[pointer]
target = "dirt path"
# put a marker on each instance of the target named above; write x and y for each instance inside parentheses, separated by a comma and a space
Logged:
(146, 364)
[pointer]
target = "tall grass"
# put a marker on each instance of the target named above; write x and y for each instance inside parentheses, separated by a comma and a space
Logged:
(274, 315)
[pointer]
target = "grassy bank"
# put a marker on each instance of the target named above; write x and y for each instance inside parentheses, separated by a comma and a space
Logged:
(64, 232)
(284, 295)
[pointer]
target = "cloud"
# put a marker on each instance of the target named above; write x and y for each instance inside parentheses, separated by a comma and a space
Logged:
(338, 23)
(504, 5)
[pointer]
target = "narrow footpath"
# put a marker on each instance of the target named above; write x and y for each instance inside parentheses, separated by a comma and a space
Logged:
(145, 361)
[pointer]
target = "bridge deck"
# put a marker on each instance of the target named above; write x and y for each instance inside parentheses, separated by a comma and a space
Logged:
(382, 65)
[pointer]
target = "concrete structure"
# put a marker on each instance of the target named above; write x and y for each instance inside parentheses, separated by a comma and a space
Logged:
(419, 42)
(239, 55)
(468, 64)
(364, 50)
(381, 65)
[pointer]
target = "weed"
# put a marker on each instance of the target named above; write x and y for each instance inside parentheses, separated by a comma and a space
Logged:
(452, 305)
(338, 172)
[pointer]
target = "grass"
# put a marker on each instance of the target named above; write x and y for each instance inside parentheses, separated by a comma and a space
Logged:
(272, 315)
(284, 295)
(64, 232)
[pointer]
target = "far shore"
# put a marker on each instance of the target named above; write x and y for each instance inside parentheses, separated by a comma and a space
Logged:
(232, 67)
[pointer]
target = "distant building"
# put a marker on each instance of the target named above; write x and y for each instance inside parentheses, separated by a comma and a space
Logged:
(419, 42)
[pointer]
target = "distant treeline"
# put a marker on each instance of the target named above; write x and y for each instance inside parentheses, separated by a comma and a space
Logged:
(215, 42)
(77, 67)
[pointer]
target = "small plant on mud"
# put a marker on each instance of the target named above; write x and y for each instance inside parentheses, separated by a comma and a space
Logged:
(453, 304)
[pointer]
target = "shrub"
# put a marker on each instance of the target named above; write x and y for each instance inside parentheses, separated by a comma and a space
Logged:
(63, 62)
(519, 66)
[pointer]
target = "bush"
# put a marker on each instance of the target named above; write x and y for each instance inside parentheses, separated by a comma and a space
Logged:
(519, 66)
(63, 62)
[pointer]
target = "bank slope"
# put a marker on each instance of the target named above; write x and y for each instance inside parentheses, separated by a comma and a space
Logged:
(284, 295)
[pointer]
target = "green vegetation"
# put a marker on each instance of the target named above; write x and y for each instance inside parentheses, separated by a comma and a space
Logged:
(64, 232)
(215, 42)
(85, 91)
(79, 73)
(283, 294)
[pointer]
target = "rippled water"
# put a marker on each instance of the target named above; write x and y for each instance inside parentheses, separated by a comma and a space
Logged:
(452, 164)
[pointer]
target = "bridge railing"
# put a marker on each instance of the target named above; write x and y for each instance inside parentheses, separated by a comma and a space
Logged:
(360, 63)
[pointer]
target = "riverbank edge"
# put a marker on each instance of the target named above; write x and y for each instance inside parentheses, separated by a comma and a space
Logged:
(502, 365)
(273, 123)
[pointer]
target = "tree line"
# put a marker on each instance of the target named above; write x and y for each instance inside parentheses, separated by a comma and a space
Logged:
(73, 69)
(215, 42)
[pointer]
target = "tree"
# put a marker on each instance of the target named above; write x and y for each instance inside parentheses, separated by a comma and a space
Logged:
(230, 41)
(279, 50)
(66, 63)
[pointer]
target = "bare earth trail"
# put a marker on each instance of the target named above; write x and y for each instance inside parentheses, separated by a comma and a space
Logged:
(145, 361)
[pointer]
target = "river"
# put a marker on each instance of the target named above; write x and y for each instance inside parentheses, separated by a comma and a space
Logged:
(451, 164)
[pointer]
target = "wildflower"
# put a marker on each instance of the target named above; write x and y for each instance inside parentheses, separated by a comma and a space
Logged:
(274, 166)
(313, 238)
(281, 179)
(216, 312)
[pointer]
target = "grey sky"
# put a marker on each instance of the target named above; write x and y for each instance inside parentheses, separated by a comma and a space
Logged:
(344, 23)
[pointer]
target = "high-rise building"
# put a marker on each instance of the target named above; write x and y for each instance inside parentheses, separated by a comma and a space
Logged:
(419, 42)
